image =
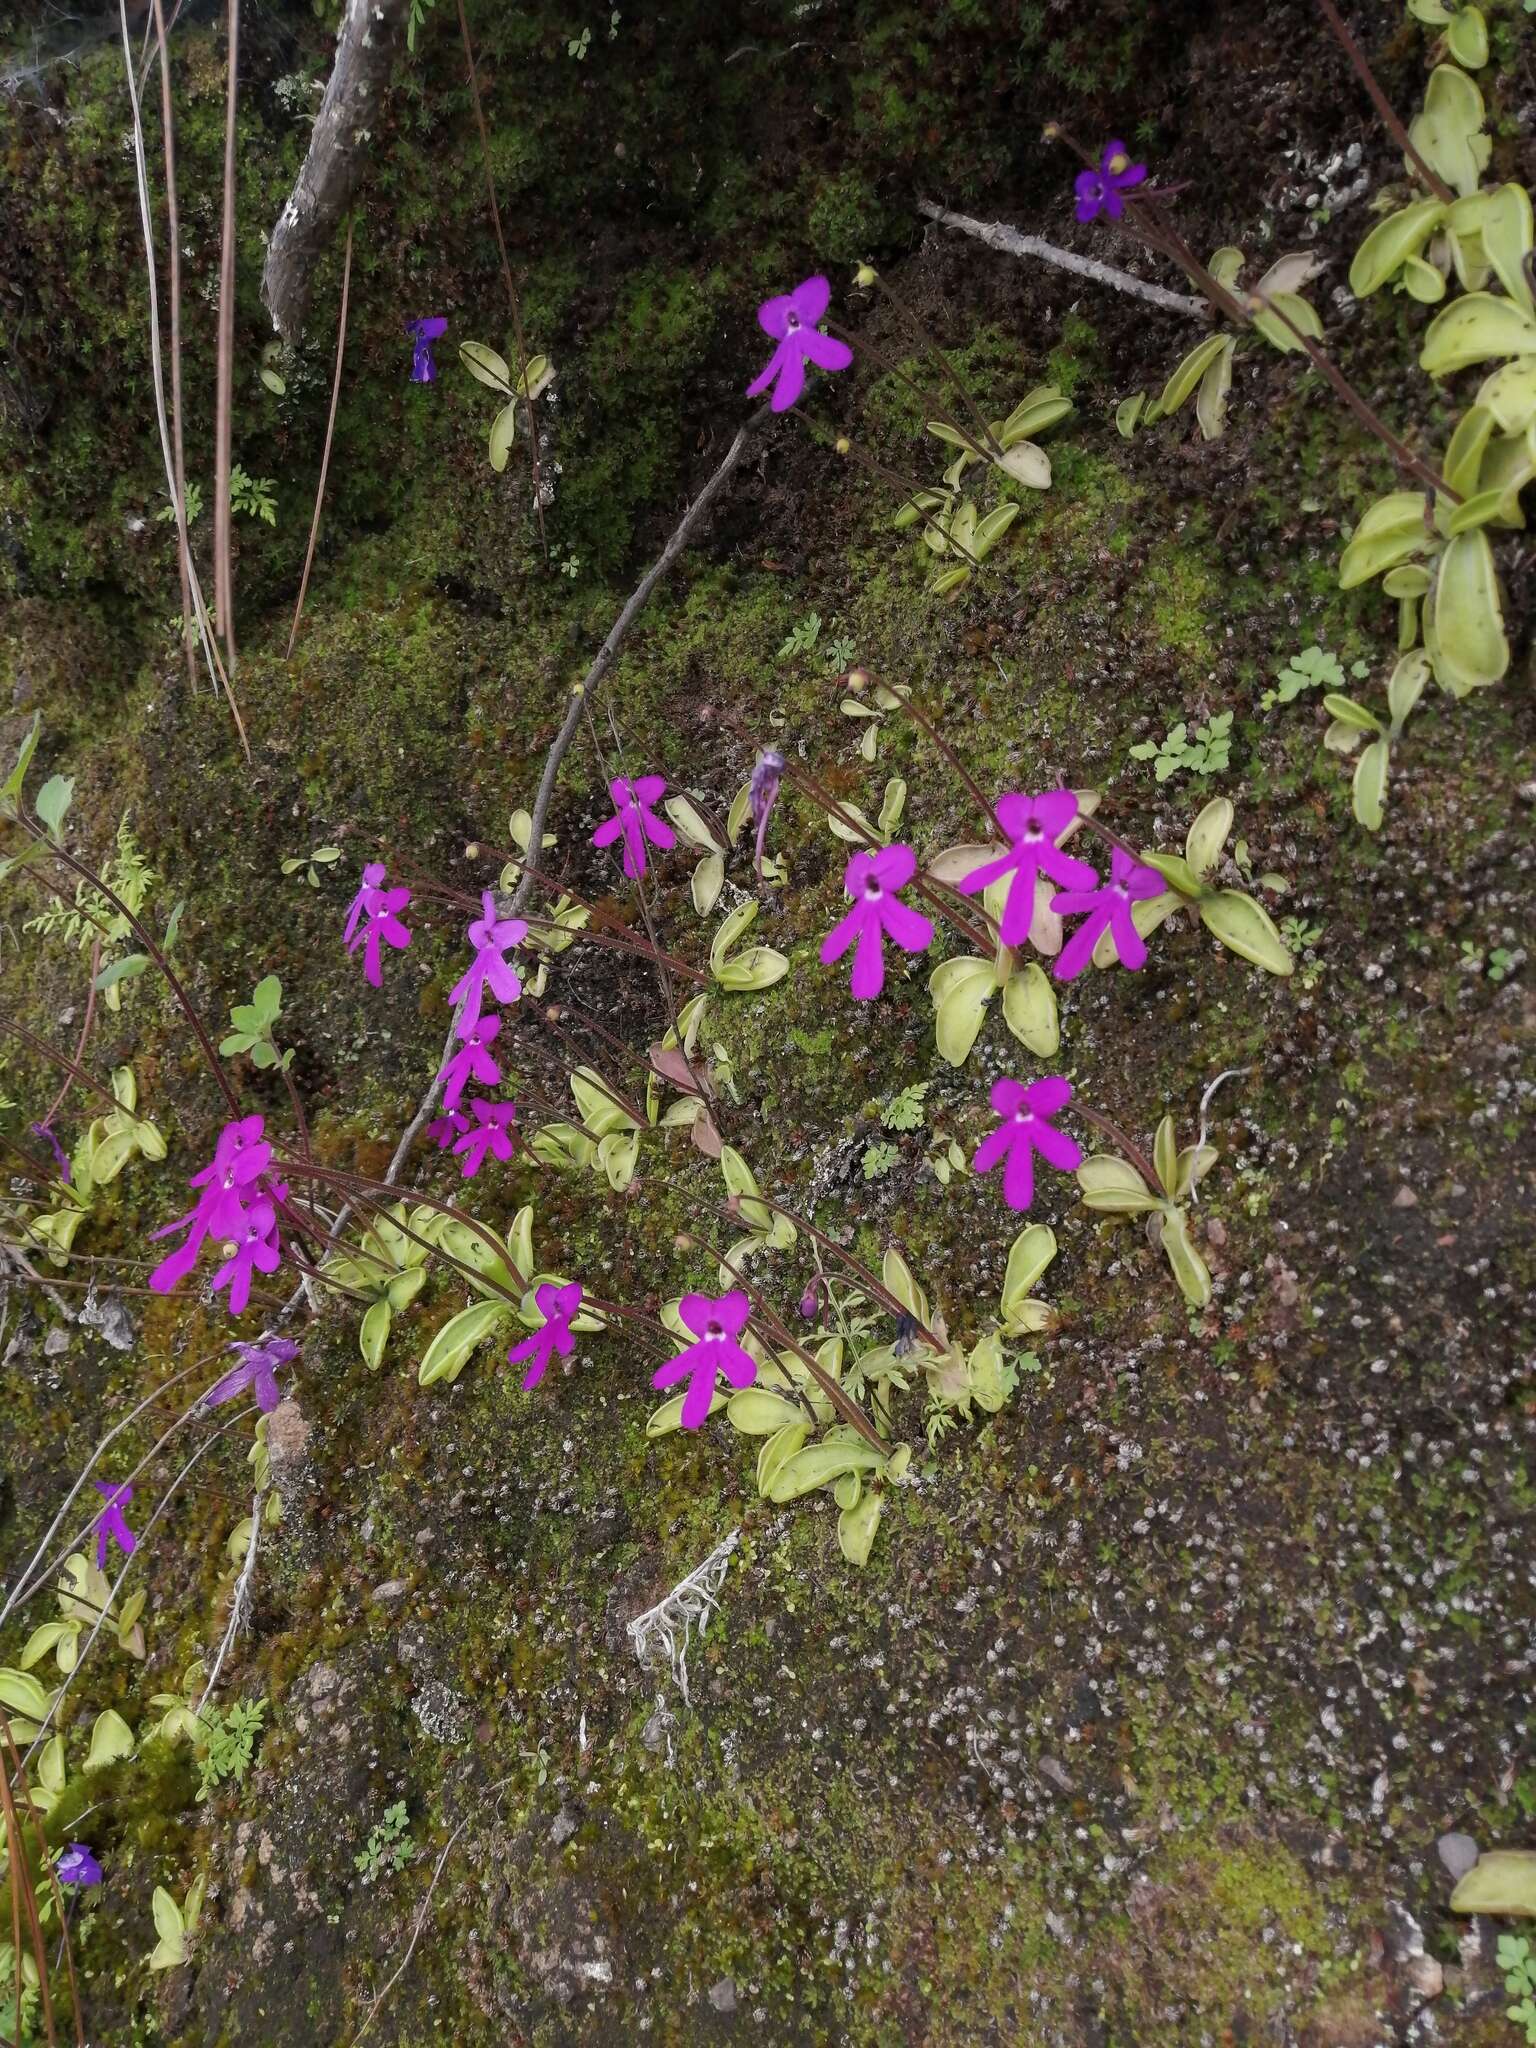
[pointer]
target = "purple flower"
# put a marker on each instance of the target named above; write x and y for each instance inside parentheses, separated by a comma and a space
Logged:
(241, 1156)
(794, 323)
(423, 333)
(1108, 907)
(495, 1121)
(110, 1523)
(254, 1249)
(810, 1301)
(490, 936)
(61, 1157)
(447, 1128)
(1033, 825)
(373, 917)
(472, 1062)
(1099, 191)
(872, 880)
(558, 1306)
(258, 1368)
(635, 819)
(77, 1866)
(1026, 1129)
(716, 1325)
(763, 794)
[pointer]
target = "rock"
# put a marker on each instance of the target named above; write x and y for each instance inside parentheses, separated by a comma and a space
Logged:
(111, 1318)
(722, 1996)
(1055, 1773)
(1405, 1198)
(441, 1712)
(1458, 1853)
(391, 1589)
(56, 1342)
(565, 1825)
(1425, 1975)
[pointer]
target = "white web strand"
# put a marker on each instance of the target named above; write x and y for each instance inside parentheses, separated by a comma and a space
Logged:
(667, 1628)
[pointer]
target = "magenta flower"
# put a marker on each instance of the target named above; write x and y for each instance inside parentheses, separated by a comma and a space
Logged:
(110, 1524)
(493, 1135)
(241, 1156)
(716, 1325)
(1033, 825)
(60, 1156)
(1107, 907)
(258, 1369)
(489, 970)
(1025, 1130)
(794, 322)
(372, 918)
(423, 333)
(872, 880)
(77, 1866)
(635, 819)
(1099, 191)
(558, 1307)
(447, 1128)
(254, 1249)
(473, 1061)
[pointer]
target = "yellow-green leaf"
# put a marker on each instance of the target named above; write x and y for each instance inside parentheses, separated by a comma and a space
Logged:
(1390, 243)
(856, 1527)
(1465, 618)
(450, 1350)
(1029, 1010)
(1476, 329)
(1246, 928)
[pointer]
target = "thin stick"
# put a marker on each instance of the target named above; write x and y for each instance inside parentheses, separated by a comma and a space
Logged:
(997, 234)
(330, 429)
(1383, 105)
(1122, 1138)
(223, 573)
(242, 1593)
(173, 234)
(85, 1031)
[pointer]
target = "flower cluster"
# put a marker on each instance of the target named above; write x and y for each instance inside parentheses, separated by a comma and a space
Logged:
(238, 1207)
(482, 1126)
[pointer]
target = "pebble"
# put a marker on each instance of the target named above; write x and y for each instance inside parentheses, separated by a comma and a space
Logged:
(722, 1996)
(1458, 1853)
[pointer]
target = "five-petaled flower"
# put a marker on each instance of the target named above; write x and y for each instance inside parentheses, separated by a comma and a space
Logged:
(558, 1307)
(473, 1061)
(447, 1128)
(373, 917)
(110, 1523)
(1107, 908)
(231, 1186)
(491, 1132)
(878, 913)
(1099, 191)
(258, 1369)
(490, 971)
(716, 1324)
(1026, 1129)
(423, 333)
(77, 1865)
(1033, 824)
(636, 820)
(253, 1249)
(793, 321)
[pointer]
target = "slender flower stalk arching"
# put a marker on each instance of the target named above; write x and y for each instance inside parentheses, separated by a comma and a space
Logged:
(872, 880)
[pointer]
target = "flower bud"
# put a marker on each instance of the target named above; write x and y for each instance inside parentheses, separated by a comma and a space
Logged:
(865, 276)
(842, 444)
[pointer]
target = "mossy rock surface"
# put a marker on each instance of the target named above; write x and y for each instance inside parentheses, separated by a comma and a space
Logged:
(1161, 1684)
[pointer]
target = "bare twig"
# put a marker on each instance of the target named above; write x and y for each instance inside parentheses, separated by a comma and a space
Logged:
(998, 235)
(173, 236)
(330, 429)
(1383, 105)
(223, 573)
(237, 1604)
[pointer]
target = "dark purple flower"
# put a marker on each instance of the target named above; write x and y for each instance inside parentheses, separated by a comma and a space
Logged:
(763, 794)
(716, 1325)
(1108, 907)
(558, 1307)
(794, 322)
(810, 1301)
(473, 1061)
(872, 880)
(635, 819)
(492, 1133)
(77, 1866)
(489, 970)
(61, 1157)
(258, 1368)
(1099, 191)
(229, 1181)
(447, 1128)
(110, 1523)
(372, 917)
(1025, 1130)
(1033, 825)
(423, 333)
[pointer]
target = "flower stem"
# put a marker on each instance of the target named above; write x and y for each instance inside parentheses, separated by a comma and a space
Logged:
(1383, 105)
(1127, 1144)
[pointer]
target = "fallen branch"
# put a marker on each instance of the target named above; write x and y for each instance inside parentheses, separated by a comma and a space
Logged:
(330, 431)
(998, 235)
(338, 149)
